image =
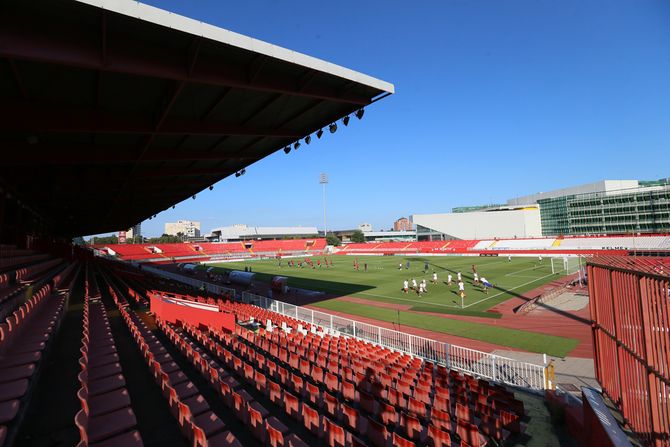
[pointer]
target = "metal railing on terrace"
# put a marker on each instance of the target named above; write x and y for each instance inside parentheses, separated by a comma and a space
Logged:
(470, 361)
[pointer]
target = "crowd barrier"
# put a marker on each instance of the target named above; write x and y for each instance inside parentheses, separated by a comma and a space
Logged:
(470, 361)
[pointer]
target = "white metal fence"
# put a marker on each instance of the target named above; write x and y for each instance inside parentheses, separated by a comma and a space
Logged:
(470, 361)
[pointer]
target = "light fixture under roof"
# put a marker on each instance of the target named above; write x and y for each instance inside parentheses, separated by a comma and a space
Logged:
(345, 120)
(360, 113)
(287, 149)
(332, 128)
(296, 145)
(319, 133)
(308, 139)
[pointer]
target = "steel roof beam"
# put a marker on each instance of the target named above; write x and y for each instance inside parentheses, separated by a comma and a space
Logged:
(58, 43)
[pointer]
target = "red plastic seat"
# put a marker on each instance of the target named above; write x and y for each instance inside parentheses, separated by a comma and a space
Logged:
(330, 404)
(16, 372)
(276, 431)
(223, 439)
(185, 390)
(13, 390)
(335, 434)
(510, 421)
(350, 417)
(396, 398)
(437, 437)
(388, 414)
(8, 410)
(256, 423)
(239, 407)
(332, 382)
(197, 404)
(348, 391)
(292, 405)
(399, 441)
(469, 433)
(440, 419)
(416, 407)
(128, 439)
(274, 392)
(463, 413)
(103, 403)
(313, 393)
(311, 419)
(422, 395)
(104, 426)
(297, 384)
(492, 427)
(411, 426)
(317, 374)
(261, 382)
(377, 433)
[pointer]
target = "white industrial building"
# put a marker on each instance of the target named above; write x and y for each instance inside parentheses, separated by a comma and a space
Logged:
(603, 186)
(508, 222)
(240, 232)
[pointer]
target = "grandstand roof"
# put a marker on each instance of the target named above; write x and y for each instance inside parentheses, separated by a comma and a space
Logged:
(112, 111)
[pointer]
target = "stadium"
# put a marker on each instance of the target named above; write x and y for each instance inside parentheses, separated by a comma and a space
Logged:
(543, 321)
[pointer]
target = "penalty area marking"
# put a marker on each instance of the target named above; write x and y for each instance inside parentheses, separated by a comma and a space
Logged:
(514, 274)
(410, 301)
(508, 290)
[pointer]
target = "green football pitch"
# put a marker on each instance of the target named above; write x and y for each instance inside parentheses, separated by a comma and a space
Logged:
(383, 281)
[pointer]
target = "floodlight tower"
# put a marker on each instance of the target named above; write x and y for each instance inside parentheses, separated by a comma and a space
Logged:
(323, 180)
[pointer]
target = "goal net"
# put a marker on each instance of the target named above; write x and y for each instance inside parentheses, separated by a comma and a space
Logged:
(566, 265)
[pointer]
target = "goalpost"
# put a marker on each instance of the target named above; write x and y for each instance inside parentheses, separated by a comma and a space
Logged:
(566, 265)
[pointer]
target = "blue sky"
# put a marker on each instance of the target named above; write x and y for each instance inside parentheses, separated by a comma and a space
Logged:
(494, 99)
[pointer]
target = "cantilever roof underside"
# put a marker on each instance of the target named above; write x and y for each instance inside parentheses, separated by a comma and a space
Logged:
(112, 111)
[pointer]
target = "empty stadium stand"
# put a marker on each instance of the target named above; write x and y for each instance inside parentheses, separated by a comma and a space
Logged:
(34, 297)
(293, 389)
(205, 251)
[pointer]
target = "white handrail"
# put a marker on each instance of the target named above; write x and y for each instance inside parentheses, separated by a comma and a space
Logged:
(471, 361)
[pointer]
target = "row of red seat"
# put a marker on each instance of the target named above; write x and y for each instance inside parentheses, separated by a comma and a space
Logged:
(491, 404)
(32, 271)
(106, 417)
(13, 260)
(360, 385)
(343, 392)
(14, 282)
(196, 420)
(456, 245)
(24, 336)
(91, 289)
(493, 408)
(308, 402)
(63, 279)
(399, 385)
(205, 249)
(265, 428)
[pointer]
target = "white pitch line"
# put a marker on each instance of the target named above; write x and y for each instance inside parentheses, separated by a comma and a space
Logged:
(508, 290)
(522, 270)
(410, 301)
